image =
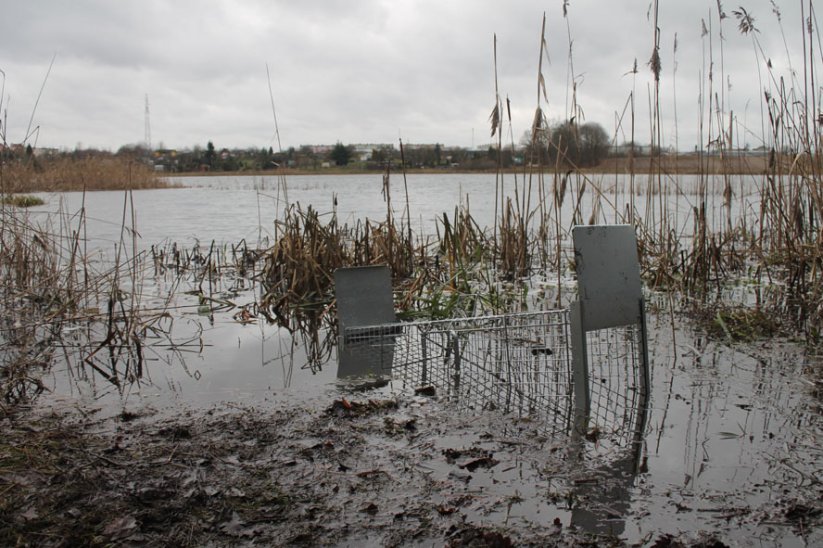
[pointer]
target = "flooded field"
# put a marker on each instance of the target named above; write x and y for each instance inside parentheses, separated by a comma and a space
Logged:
(225, 402)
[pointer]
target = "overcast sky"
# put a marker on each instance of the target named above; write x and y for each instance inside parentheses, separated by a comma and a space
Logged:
(371, 71)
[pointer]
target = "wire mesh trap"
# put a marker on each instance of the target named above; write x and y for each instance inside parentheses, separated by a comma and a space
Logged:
(616, 385)
(584, 366)
(518, 364)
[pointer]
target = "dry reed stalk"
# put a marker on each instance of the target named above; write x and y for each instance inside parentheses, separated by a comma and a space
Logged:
(494, 118)
(55, 306)
(515, 258)
(298, 270)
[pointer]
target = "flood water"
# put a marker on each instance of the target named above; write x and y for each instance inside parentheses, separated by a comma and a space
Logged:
(227, 209)
(733, 431)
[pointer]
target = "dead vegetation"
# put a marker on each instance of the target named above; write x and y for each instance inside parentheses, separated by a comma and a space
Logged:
(64, 174)
(760, 230)
(56, 304)
(736, 324)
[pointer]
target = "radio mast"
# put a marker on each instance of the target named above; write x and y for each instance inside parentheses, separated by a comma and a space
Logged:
(148, 126)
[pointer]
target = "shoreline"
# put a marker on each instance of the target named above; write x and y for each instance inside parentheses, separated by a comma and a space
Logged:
(689, 164)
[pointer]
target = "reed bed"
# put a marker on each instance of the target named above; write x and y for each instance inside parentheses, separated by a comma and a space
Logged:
(761, 229)
(55, 306)
(76, 174)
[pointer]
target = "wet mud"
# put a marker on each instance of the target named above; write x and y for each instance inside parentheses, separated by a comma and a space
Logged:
(405, 471)
(729, 454)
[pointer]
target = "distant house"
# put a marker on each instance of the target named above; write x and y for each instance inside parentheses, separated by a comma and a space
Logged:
(633, 148)
(42, 152)
(16, 148)
(320, 150)
(365, 152)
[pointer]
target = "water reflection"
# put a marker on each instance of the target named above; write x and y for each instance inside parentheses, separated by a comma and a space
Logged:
(201, 340)
(729, 429)
(365, 312)
(604, 495)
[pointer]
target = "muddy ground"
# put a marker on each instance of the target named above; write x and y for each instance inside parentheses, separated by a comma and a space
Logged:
(344, 470)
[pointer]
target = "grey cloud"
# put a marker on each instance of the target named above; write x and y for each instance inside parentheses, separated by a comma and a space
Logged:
(364, 71)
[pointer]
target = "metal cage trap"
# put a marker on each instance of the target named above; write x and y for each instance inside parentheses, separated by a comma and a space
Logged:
(584, 365)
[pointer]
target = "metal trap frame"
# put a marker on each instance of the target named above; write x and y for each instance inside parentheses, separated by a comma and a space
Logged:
(584, 366)
(518, 364)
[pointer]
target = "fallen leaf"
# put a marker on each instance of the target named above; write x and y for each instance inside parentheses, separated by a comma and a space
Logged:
(235, 526)
(30, 514)
(444, 510)
(482, 462)
(120, 527)
(370, 508)
(425, 391)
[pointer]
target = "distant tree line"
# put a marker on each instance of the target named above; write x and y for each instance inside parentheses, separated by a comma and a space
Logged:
(565, 143)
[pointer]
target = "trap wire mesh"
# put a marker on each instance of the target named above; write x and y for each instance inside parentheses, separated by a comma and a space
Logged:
(615, 372)
(518, 364)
